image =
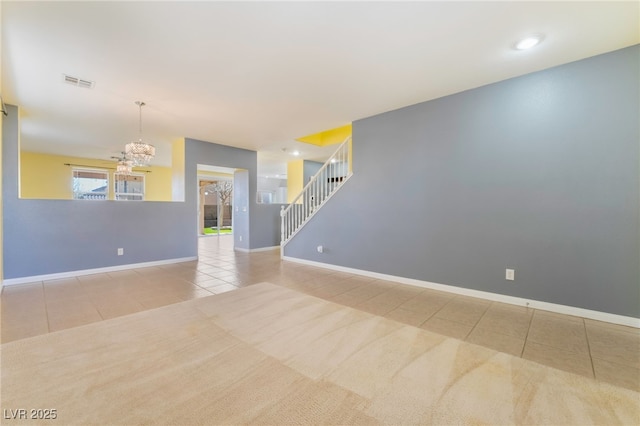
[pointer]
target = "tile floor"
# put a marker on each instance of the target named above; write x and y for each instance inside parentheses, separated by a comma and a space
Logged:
(604, 351)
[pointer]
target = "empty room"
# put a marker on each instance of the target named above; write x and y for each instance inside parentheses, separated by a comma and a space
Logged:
(320, 213)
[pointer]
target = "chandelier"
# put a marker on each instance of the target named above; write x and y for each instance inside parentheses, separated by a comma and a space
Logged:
(124, 166)
(139, 153)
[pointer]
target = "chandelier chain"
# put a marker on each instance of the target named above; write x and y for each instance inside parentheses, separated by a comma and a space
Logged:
(140, 105)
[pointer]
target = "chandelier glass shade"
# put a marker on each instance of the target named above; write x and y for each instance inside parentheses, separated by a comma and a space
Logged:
(139, 153)
(124, 167)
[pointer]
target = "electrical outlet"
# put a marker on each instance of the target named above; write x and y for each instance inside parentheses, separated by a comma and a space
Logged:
(510, 274)
(240, 238)
(120, 251)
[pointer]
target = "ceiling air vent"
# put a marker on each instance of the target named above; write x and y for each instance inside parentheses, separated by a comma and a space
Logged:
(69, 79)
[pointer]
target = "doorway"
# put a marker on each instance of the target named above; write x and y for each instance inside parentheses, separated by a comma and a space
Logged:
(215, 200)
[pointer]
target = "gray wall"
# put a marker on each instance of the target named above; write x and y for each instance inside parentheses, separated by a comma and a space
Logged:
(51, 236)
(309, 169)
(201, 152)
(257, 225)
(241, 212)
(266, 230)
(537, 173)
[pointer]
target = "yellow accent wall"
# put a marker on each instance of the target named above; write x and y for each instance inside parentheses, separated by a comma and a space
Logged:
(158, 184)
(178, 170)
(295, 179)
(206, 173)
(46, 176)
(328, 137)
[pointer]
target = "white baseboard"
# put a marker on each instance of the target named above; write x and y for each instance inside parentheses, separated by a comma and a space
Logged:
(495, 297)
(244, 250)
(71, 274)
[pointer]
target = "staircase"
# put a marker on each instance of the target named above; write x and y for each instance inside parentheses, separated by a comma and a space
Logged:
(333, 174)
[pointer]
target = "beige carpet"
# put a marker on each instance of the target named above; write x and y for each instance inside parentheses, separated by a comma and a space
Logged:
(269, 355)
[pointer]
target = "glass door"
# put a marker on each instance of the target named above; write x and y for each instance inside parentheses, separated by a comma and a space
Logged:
(215, 215)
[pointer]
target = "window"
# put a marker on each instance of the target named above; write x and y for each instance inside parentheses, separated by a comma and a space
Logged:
(129, 187)
(90, 184)
(265, 197)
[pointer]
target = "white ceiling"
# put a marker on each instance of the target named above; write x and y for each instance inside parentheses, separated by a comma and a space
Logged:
(258, 75)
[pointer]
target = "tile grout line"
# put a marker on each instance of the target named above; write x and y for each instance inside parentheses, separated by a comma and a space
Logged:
(556, 367)
(478, 322)
(102, 318)
(586, 335)
(526, 337)
(436, 312)
(46, 310)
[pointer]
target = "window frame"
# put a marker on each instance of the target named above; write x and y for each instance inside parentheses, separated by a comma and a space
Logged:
(117, 194)
(105, 172)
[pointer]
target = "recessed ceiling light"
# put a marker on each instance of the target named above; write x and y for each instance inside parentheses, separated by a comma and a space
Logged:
(528, 42)
(295, 153)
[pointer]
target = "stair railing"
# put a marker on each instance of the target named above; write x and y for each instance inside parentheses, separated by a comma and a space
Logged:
(331, 176)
